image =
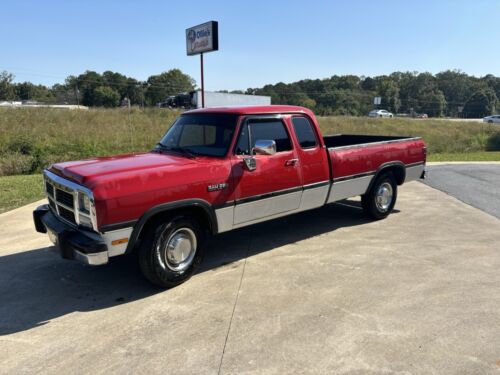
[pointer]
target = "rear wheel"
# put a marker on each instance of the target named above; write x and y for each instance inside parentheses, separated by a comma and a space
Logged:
(379, 201)
(172, 252)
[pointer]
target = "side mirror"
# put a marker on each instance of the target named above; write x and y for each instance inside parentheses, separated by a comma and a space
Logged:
(264, 147)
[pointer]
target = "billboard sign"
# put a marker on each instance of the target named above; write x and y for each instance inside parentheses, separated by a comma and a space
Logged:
(202, 38)
(377, 100)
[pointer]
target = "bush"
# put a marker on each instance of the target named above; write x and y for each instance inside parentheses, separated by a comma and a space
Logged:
(493, 143)
(25, 150)
(15, 163)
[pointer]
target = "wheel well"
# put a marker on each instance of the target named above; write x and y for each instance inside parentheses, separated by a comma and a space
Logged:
(398, 171)
(199, 213)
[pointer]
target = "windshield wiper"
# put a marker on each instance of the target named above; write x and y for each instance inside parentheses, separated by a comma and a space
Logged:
(161, 147)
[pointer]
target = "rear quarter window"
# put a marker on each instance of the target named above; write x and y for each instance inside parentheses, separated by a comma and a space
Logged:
(304, 132)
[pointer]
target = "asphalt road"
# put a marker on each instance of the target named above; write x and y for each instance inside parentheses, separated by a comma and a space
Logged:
(320, 292)
(474, 184)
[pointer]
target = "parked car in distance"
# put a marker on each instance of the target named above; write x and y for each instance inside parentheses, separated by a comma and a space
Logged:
(492, 119)
(380, 113)
(422, 115)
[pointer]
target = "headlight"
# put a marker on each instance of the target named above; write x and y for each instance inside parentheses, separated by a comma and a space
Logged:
(84, 203)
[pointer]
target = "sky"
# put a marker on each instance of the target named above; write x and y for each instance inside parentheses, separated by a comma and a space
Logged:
(260, 42)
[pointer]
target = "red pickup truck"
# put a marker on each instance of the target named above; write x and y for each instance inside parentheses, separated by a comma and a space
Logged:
(216, 170)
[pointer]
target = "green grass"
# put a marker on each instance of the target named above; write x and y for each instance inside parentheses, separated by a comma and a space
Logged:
(16, 191)
(32, 138)
(440, 136)
(471, 156)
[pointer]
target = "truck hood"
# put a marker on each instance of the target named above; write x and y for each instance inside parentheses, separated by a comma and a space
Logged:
(89, 172)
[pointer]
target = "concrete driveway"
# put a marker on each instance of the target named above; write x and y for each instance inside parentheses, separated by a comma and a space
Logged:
(320, 292)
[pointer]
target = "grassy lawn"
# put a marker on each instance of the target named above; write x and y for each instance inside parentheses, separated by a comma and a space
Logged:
(16, 191)
(471, 156)
(31, 139)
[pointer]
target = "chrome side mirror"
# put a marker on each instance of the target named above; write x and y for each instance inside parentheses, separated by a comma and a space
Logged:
(250, 163)
(264, 147)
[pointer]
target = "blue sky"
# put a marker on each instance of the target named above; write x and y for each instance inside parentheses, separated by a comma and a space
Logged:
(260, 41)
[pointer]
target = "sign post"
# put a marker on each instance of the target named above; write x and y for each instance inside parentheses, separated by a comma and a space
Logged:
(200, 39)
(202, 82)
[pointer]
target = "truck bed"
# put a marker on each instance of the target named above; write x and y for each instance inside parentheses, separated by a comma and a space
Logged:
(349, 140)
(355, 160)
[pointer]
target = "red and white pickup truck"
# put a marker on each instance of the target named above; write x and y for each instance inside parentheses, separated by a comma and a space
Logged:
(216, 170)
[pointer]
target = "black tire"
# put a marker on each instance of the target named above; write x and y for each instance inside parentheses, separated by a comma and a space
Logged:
(369, 200)
(153, 254)
(490, 121)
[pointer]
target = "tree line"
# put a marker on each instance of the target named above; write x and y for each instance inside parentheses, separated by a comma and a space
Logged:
(449, 93)
(92, 89)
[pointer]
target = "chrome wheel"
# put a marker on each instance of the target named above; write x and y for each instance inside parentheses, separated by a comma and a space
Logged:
(180, 249)
(383, 197)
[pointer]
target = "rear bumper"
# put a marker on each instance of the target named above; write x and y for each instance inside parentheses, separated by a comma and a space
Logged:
(71, 243)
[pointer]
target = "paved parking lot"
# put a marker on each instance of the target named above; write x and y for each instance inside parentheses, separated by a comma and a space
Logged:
(320, 292)
(477, 184)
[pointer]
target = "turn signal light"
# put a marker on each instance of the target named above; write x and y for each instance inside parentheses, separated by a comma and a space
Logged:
(119, 242)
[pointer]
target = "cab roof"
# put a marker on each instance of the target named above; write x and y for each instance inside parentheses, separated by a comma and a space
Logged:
(253, 110)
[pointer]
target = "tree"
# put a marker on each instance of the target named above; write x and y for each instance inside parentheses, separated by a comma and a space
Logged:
(64, 94)
(173, 82)
(456, 87)
(389, 91)
(6, 87)
(431, 102)
(482, 103)
(29, 91)
(86, 84)
(105, 96)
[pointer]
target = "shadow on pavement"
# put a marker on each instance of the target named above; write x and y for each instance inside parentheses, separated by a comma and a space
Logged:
(37, 286)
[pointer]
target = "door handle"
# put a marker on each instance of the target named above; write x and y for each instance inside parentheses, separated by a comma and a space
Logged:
(291, 162)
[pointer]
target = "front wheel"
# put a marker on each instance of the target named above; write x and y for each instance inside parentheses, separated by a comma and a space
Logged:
(379, 201)
(172, 252)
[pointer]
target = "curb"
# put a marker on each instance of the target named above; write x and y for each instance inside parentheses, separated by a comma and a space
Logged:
(431, 163)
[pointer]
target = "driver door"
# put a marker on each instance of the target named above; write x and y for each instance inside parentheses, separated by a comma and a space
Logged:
(275, 186)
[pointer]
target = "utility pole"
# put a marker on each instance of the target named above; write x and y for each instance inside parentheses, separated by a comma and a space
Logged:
(76, 94)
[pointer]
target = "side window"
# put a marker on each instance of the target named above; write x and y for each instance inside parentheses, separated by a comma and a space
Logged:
(270, 130)
(305, 132)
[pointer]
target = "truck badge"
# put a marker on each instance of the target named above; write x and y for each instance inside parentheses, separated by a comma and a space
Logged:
(216, 187)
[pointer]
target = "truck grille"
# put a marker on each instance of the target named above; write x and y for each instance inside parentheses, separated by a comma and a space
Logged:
(65, 198)
(61, 201)
(49, 188)
(67, 214)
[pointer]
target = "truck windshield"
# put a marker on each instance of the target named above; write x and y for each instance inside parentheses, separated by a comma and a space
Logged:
(200, 134)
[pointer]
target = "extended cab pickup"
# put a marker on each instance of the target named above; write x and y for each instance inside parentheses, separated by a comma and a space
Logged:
(216, 170)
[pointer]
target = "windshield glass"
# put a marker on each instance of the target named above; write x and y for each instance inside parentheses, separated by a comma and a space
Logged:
(200, 134)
